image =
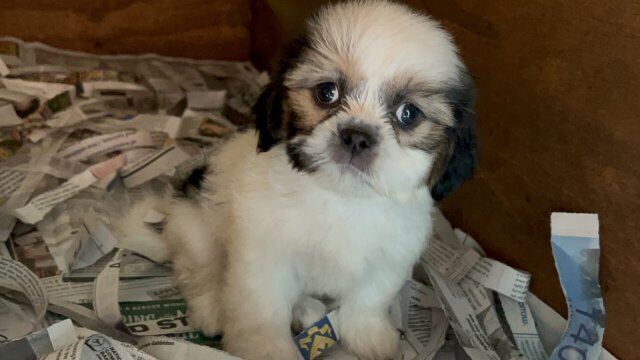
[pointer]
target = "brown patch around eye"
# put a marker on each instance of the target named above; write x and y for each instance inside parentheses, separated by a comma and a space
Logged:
(436, 109)
(308, 113)
(427, 135)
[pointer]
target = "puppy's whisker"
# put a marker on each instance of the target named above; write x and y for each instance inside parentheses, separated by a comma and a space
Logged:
(316, 163)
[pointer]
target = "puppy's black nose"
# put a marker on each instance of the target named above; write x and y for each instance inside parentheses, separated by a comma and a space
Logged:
(356, 140)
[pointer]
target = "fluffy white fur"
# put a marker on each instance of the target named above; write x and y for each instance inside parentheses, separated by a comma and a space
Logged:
(264, 238)
(269, 237)
(377, 40)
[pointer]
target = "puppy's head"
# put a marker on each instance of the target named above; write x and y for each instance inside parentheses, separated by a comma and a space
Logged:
(373, 97)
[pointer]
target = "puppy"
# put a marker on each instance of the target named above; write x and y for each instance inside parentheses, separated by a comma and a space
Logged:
(368, 120)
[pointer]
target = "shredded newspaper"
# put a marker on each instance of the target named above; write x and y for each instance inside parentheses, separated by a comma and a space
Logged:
(83, 136)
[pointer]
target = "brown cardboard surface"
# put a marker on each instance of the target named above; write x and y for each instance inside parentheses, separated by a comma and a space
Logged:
(192, 28)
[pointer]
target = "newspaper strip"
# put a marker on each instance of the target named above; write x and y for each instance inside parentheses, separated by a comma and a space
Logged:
(94, 347)
(477, 296)
(18, 99)
(56, 167)
(82, 110)
(450, 262)
(140, 290)
(424, 323)
(136, 353)
(455, 265)
(208, 99)
(576, 249)
(40, 343)
(10, 181)
(317, 338)
(8, 116)
(108, 143)
(164, 348)
(163, 161)
(481, 300)
(15, 276)
(523, 328)
(91, 87)
(4, 69)
(462, 318)
(466, 304)
(451, 349)
(132, 266)
(39, 69)
(105, 299)
(504, 279)
(40, 157)
(15, 322)
(41, 90)
(99, 242)
(63, 236)
(87, 318)
(39, 206)
(66, 230)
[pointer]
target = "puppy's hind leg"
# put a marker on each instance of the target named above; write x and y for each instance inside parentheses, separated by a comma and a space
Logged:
(198, 264)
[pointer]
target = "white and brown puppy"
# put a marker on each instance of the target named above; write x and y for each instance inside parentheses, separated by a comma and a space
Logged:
(367, 122)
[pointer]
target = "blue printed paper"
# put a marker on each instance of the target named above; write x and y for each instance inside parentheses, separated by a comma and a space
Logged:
(576, 250)
(316, 339)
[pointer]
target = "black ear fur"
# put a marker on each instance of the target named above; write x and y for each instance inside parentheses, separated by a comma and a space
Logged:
(268, 116)
(463, 154)
(268, 110)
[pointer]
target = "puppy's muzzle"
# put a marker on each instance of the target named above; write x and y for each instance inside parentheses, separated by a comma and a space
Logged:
(356, 140)
(355, 146)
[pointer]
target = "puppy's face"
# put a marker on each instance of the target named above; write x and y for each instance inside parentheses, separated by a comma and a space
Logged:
(374, 97)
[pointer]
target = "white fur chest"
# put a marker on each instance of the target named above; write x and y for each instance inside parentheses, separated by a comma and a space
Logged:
(349, 237)
(328, 240)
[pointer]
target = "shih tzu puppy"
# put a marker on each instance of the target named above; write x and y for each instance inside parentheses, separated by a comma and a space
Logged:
(368, 120)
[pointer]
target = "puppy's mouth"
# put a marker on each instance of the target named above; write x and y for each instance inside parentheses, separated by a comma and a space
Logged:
(350, 163)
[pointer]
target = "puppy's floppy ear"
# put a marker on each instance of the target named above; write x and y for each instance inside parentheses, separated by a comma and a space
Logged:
(457, 161)
(268, 116)
(269, 110)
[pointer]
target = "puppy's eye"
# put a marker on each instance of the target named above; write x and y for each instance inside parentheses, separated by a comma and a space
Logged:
(327, 93)
(407, 114)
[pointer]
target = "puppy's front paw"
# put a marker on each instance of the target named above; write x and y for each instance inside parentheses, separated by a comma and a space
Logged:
(208, 327)
(370, 337)
(307, 311)
(204, 315)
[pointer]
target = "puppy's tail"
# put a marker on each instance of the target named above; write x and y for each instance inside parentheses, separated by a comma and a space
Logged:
(132, 227)
(135, 234)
